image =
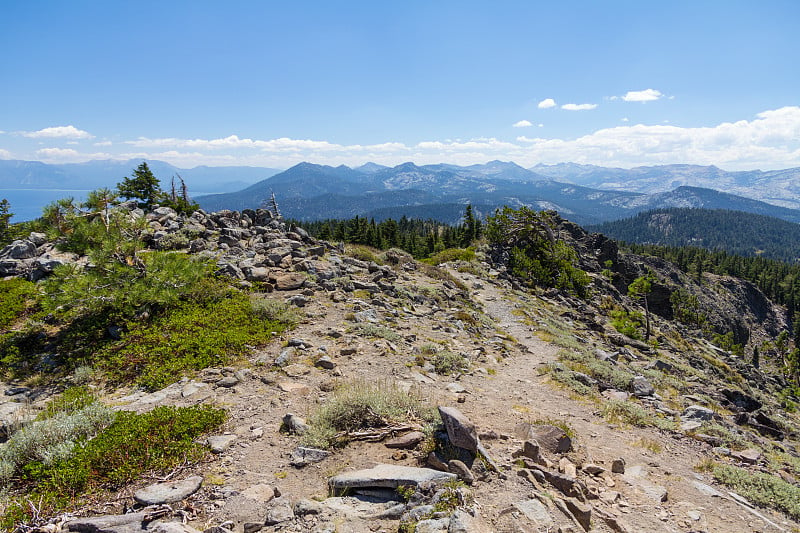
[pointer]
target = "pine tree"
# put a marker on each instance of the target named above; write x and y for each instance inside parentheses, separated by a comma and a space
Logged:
(5, 217)
(142, 186)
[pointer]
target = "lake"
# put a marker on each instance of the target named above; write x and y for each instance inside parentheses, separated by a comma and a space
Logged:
(27, 204)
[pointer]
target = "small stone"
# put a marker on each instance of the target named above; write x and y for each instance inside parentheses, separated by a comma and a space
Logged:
(294, 424)
(552, 439)
(325, 362)
(228, 382)
(749, 456)
(294, 388)
(641, 387)
(461, 470)
(279, 511)
(618, 466)
(303, 507)
(303, 455)
(406, 441)
(220, 443)
(593, 469)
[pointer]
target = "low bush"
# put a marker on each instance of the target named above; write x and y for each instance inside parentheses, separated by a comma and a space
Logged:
(364, 405)
(191, 337)
(629, 413)
(131, 445)
(451, 254)
(373, 330)
(760, 488)
(16, 296)
(446, 362)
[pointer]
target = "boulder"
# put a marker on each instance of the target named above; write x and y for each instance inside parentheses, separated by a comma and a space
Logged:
(641, 387)
(460, 430)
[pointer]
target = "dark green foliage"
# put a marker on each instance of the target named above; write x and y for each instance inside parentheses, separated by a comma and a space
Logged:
(133, 444)
(5, 226)
(640, 289)
(536, 255)
(16, 296)
(143, 186)
(727, 343)
(627, 322)
(192, 336)
(735, 232)
(779, 281)
(686, 308)
(71, 400)
(420, 238)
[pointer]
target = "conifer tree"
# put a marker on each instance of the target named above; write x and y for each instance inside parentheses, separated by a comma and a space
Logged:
(142, 186)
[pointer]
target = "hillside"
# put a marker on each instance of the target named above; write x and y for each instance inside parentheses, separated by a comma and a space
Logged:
(557, 407)
(735, 232)
(314, 192)
(777, 187)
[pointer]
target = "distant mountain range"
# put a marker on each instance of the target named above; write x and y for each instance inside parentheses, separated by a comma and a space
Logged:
(15, 174)
(779, 187)
(585, 194)
(308, 192)
(735, 232)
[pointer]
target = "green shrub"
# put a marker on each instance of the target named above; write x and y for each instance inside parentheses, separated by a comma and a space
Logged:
(629, 413)
(627, 322)
(275, 310)
(191, 337)
(131, 445)
(52, 439)
(760, 488)
(363, 405)
(373, 330)
(16, 296)
(71, 400)
(446, 362)
(451, 254)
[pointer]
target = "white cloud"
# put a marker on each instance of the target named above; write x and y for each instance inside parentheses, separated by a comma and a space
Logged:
(547, 103)
(578, 107)
(624, 119)
(770, 140)
(103, 143)
(648, 95)
(68, 155)
(541, 125)
(65, 132)
(5, 154)
(522, 124)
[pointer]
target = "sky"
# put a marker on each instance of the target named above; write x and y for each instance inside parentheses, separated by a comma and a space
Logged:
(266, 83)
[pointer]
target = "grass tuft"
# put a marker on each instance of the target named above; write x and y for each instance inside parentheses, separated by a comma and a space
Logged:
(362, 405)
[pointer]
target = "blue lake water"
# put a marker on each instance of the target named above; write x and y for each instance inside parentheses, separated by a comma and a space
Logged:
(27, 204)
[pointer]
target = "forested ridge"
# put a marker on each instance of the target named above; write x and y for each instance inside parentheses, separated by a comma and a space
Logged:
(735, 232)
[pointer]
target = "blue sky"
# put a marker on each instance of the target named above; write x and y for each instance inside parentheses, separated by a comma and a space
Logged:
(614, 83)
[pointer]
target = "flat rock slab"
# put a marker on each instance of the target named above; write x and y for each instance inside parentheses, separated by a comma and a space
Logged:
(387, 476)
(122, 523)
(535, 511)
(173, 491)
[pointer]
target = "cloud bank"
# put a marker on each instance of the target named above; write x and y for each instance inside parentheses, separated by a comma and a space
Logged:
(770, 140)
